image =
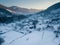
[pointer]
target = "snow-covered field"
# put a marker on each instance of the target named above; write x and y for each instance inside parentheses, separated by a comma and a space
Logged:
(10, 36)
(35, 38)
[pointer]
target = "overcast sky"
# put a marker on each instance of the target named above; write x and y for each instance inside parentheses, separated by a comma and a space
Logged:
(36, 4)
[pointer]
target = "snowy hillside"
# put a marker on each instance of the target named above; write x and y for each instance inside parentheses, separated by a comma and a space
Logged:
(42, 28)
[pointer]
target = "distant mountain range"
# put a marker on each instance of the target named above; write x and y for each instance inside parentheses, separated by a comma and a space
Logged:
(19, 10)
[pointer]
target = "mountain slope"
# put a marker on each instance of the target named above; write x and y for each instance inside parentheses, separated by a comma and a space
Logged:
(51, 12)
(7, 15)
(2, 6)
(4, 11)
(54, 7)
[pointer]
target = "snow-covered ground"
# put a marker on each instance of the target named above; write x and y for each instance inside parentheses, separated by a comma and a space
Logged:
(11, 36)
(35, 38)
(24, 33)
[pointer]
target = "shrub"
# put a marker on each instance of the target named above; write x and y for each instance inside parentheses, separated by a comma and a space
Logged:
(34, 23)
(1, 40)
